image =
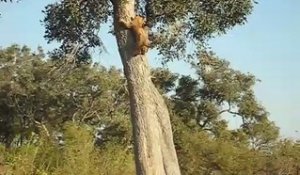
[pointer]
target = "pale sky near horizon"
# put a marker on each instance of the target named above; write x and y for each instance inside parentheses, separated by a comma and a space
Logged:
(267, 46)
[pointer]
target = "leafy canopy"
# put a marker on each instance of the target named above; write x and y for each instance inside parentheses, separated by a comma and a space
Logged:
(173, 23)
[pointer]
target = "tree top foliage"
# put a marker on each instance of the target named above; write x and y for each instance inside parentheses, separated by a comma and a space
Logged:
(172, 23)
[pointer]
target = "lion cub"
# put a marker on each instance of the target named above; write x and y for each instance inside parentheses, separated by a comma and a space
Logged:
(138, 27)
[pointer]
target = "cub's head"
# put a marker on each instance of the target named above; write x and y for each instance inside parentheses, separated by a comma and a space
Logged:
(138, 21)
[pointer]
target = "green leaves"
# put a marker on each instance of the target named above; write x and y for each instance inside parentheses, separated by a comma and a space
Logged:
(174, 24)
(220, 81)
(89, 108)
(164, 79)
(35, 91)
(76, 25)
(219, 92)
(196, 22)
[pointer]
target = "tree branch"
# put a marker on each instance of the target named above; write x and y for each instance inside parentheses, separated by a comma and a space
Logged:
(229, 111)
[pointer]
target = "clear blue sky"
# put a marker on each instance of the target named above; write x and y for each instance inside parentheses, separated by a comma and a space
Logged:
(268, 46)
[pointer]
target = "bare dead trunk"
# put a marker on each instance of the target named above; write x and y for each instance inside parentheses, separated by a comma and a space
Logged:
(154, 148)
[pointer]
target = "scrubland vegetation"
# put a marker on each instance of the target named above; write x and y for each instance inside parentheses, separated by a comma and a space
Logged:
(58, 118)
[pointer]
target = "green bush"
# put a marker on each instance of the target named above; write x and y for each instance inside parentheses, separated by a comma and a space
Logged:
(78, 155)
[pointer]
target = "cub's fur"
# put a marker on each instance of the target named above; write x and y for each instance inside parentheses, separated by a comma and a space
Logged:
(138, 26)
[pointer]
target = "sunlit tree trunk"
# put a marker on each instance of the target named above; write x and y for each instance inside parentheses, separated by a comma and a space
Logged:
(154, 148)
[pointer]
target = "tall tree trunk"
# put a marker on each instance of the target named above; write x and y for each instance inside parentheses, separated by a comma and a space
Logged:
(153, 139)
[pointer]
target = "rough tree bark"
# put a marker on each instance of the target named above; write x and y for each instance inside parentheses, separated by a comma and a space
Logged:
(153, 139)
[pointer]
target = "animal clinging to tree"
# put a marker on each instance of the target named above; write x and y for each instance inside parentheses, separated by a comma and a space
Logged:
(138, 27)
(200, 19)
